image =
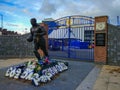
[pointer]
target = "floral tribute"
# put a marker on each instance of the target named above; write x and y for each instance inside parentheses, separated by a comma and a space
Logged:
(37, 72)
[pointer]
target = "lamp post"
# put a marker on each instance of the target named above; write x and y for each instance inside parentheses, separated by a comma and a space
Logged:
(1, 21)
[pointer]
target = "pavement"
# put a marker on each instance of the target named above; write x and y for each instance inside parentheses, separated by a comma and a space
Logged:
(10, 62)
(79, 76)
(108, 79)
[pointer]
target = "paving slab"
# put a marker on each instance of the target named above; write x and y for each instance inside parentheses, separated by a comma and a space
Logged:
(101, 84)
(8, 62)
(89, 81)
(109, 78)
(68, 80)
(113, 86)
(115, 80)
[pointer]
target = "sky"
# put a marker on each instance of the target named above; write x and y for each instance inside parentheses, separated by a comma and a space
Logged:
(17, 13)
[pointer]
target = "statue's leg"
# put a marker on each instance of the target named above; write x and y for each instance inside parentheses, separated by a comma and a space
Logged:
(36, 47)
(37, 54)
(46, 52)
(41, 53)
(44, 57)
(43, 48)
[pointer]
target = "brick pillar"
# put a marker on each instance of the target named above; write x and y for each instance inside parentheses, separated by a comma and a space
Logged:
(100, 33)
(46, 36)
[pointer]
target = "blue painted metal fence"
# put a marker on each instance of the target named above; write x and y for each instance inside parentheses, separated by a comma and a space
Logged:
(73, 39)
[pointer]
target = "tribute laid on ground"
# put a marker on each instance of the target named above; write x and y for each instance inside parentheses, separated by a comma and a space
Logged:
(37, 73)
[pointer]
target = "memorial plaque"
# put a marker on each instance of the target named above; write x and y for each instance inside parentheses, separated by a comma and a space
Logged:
(100, 26)
(100, 39)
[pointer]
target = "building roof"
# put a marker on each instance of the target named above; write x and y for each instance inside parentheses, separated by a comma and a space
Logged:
(48, 19)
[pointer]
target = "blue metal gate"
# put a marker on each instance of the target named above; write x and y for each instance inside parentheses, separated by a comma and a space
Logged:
(73, 38)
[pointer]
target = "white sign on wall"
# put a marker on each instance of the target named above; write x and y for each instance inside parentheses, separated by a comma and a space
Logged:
(100, 26)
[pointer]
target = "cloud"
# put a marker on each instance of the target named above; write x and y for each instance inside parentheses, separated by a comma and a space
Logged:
(88, 8)
(20, 11)
(47, 8)
(106, 7)
(70, 7)
(62, 8)
(20, 28)
(27, 12)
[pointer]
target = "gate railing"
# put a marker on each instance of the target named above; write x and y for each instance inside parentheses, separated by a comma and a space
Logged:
(73, 29)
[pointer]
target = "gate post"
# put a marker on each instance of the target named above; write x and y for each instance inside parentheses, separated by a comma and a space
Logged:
(100, 34)
(69, 32)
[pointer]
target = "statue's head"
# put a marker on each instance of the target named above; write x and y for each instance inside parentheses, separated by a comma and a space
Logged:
(33, 21)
